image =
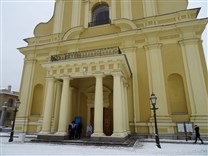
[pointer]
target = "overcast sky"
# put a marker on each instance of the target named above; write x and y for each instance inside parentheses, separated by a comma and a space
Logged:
(18, 19)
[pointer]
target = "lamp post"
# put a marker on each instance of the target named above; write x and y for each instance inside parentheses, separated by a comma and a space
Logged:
(153, 99)
(16, 106)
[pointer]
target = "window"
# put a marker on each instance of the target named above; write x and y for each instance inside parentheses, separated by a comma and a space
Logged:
(10, 102)
(8, 115)
(100, 15)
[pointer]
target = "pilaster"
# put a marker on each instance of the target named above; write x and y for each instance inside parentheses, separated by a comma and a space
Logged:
(87, 5)
(195, 80)
(25, 95)
(113, 10)
(156, 77)
(150, 8)
(126, 106)
(126, 10)
(26, 85)
(123, 105)
(58, 17)
(131, 56)
(76, 13)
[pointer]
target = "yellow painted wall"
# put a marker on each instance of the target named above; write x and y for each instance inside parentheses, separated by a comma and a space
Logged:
(137, 9)
(138, 34)
(171, 6)
(67, 12)
(144, 103)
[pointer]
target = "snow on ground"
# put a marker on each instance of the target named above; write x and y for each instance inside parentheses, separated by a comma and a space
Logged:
(140, 148)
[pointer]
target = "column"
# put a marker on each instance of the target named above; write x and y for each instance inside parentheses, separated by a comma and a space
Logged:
(46, 128)
(64, 107)
(57, 105)
(58, 16)
(156, 77)
(76, 12)
(126, 11)
(195, 78)
(117, 107)
(98, 110)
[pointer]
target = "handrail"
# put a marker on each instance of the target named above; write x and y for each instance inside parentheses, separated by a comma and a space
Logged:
(86, 54)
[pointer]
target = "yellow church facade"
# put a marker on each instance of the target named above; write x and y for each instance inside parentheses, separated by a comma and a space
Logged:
(101, 60)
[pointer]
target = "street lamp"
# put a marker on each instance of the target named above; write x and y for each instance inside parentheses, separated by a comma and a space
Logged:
(16, 106)
(153, 100)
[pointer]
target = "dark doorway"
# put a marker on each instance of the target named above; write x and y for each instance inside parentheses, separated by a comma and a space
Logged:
(107, 120)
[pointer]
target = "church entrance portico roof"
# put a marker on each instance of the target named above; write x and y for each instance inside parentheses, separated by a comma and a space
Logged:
(87, 63)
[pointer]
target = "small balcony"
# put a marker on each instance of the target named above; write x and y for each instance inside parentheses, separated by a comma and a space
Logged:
(86, 54)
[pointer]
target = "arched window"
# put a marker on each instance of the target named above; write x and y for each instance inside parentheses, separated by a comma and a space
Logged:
(100, 15)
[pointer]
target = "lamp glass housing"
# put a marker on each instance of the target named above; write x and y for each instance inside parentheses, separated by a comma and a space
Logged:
(153, 99)
(17, 104)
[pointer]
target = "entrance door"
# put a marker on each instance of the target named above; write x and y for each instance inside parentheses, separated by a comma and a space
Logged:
(107, 120)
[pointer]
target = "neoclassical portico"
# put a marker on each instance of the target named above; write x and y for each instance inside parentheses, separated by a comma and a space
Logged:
(63, 71)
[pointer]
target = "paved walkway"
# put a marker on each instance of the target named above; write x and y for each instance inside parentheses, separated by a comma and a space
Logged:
(86, 141)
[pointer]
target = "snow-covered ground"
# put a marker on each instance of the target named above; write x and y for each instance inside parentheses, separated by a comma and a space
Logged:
(140, 148)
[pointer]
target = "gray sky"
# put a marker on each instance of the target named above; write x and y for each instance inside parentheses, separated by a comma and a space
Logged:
(18, 19)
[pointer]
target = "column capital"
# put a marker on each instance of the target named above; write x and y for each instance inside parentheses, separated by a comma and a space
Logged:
(49, 77)
(152, 46)
(189, 41)
(58, 82)
(98, 74)
(117, 73)
(65, 77)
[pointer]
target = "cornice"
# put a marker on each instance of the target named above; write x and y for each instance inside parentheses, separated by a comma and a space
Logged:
(196, 25)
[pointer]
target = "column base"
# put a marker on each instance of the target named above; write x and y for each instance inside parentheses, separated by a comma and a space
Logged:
(44, 133)
(119, 134)
(61, 133)
(128, 132)
(97, 134)
(52, 136)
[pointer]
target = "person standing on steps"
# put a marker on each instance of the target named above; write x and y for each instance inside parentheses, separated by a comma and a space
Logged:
(197, 134)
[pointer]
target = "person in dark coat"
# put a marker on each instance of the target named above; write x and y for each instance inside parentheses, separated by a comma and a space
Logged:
(79, 130)
(197, 134)
(71, 130)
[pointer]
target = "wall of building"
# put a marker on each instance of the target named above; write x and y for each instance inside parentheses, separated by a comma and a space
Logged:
(155, 43)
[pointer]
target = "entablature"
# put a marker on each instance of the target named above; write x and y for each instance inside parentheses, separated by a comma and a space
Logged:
(86, 64)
